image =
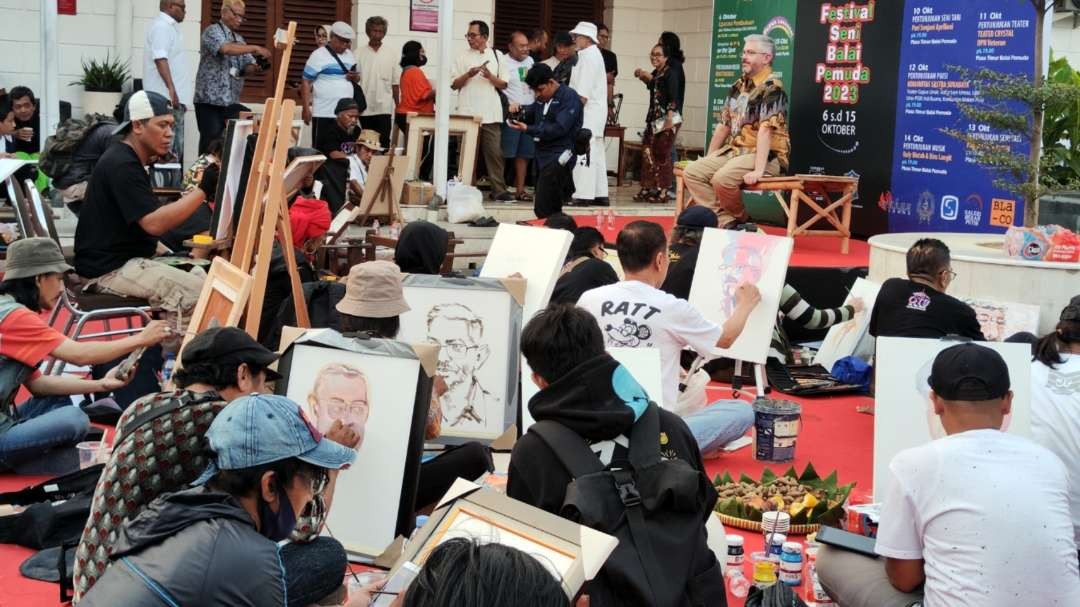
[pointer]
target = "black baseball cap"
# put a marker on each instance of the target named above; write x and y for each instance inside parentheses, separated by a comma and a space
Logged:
(225, 345)
(969, 372)
(143, 105)
(697, 217)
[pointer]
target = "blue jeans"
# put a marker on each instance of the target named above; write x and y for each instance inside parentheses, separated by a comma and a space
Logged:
(719, 423)
(44, 423)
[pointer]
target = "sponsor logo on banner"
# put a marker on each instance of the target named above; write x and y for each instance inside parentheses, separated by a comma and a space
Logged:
(925, 208)
(973, 210)
(950, 207)
(1002, 212)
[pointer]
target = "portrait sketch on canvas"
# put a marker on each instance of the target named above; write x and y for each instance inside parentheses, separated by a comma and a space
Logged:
(459, 333)
(1001, 319)
(843, 339)
(340, 393)
(742, 261)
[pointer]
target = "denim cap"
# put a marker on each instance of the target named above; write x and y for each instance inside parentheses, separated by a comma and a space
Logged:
(259, 429)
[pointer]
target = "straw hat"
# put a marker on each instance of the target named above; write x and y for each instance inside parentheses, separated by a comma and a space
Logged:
(373, 290)
(369, 139)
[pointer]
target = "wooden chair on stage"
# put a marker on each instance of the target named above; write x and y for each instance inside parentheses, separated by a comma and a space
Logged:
(836, 193)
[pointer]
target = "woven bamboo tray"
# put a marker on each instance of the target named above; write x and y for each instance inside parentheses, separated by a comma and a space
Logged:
(749, 525)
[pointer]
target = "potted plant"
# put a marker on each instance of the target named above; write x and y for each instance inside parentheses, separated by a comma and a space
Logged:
(103, 84)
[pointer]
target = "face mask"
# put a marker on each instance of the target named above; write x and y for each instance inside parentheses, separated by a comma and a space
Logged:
(423, 61)
(277, 526)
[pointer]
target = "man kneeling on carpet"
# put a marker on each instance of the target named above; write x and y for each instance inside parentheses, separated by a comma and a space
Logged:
(216, 544)
(30, 433)
(219, 365)
(979, 518)
(635, 313)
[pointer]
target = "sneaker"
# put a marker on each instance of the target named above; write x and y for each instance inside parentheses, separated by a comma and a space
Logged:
(504, 197)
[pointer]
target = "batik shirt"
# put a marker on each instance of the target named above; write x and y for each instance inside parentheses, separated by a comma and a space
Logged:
(753, 102)
(214, 84)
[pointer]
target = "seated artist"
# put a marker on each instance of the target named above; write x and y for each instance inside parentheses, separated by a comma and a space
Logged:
(219, 365)
(122, 220)
(217, 543)
(683, 253)
(589, 393)
(951, 532)
(31, 432)
(754, 117)
(367, 145)
(635, 313)
(421, 248)
(336, 141)
(918, 306)
(585, 267)
(373, 304)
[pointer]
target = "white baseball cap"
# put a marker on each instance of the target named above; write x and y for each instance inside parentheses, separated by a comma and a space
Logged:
(584, 28)
(143, 105)
(342, 30)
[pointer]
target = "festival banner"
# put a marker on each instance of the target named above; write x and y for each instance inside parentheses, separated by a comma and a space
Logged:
(844, 82)
(935, 186)
(733, 21)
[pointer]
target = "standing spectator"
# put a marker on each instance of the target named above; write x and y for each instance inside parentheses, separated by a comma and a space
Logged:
(322, 35)
(564, 59)
(538, 44)
(418, 96)
(611, 66)
(590, 81)
(329, 75)
(165, 66)
(554, 121)
(378, 69)
(26, 138)
(517, 145)
(478, 76)
(337, 141)
(224, 60)
(676, 59)
(661, 128)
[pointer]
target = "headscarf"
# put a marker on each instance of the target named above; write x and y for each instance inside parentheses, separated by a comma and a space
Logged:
(421, 248)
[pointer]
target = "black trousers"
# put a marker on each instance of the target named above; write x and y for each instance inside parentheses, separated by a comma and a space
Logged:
(211, 121)
(380, 123)
(469, 461)
(554, 185)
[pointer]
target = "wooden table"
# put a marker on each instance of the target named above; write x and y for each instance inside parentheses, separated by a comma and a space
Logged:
(837, 192)
(615, 130)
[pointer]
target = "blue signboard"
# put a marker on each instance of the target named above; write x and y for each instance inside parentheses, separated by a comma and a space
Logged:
(935, 186)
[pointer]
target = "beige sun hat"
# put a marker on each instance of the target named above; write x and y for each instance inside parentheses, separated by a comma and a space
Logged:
(370, 139)
(373, 290)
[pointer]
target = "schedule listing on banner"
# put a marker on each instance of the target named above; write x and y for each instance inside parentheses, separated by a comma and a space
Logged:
(936, 186)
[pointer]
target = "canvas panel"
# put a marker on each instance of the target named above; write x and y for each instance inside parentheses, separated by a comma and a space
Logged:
(232, 165)
(1000, 320)
(729, 258)
(903, 414)
(843, 338)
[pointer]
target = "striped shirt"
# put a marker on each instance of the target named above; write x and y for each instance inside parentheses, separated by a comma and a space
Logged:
(793, 306)
(327, 80)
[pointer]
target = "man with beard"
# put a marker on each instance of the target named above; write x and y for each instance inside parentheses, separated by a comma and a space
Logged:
(754, 116)
(458, 331)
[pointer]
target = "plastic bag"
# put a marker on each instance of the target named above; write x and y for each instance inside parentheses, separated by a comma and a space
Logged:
(464, 203)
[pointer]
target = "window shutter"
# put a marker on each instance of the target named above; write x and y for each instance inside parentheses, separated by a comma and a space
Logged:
(513, 15)
(308, 14)
(255, 29)
(565, 14)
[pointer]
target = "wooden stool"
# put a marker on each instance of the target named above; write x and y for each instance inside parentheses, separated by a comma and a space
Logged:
(802, 189)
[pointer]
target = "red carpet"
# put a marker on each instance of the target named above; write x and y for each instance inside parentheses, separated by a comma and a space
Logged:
(810, 251)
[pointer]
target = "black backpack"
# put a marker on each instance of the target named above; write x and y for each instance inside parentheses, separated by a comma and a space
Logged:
(56, 155)
(656, 508)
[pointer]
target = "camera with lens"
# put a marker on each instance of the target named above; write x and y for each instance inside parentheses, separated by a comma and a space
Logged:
(262, 62)
(581, 142)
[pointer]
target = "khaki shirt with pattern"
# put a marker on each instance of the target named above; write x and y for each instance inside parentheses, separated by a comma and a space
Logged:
(751, 103)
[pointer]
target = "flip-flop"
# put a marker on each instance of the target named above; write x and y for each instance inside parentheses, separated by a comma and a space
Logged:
(524, 197)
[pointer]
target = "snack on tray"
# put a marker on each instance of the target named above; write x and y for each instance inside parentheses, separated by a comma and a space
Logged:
(808, 498)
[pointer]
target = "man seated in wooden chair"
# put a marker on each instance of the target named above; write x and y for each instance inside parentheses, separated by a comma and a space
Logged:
(367, 145)
(755, 119)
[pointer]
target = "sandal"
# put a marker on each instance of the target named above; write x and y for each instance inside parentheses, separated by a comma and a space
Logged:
(523, 197)
(658, 198)
(643, 195)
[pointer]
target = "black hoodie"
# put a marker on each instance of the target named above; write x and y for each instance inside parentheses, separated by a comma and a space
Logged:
(198, 546)
(600, 401)
(421, 248)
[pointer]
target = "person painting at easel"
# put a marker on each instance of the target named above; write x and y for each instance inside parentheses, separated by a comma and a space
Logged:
(337, 143)
(367, 145)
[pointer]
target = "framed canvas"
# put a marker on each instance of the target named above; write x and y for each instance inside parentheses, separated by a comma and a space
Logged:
(537, 254)
(232, 169)
(843, 338)
(41, 212)
(1002, 319)
(383, 205)
(223, 299)
(300, 168)
(382, 388)
(903, 414)
(572, 553)
(727, 259)
(476, 322)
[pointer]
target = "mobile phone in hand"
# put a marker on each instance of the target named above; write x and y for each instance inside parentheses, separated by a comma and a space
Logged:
(129, 363)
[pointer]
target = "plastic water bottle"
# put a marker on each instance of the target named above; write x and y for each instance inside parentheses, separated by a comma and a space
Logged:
(737, 583)
(375, 227)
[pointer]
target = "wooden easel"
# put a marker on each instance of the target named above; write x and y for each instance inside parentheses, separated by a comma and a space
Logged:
(265, 213)
(384, 191)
